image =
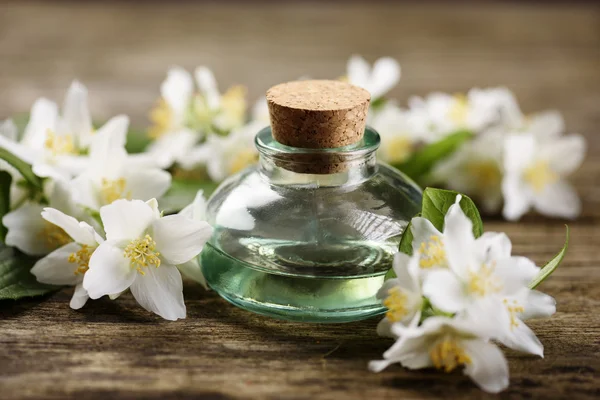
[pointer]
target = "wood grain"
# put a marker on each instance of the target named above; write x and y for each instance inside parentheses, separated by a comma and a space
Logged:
(550, 57)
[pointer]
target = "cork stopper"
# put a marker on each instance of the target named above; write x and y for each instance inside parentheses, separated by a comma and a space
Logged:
(317, 114)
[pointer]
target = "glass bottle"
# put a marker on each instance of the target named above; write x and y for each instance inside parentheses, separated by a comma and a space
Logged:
(308, 234)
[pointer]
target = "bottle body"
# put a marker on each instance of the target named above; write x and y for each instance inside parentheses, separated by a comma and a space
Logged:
(308, 247)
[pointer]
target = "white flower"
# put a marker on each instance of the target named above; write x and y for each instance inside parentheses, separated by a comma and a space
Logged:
(54, 144)
(183, 117)
(440, 114)
(30, 233)
(228, 109)
(197, 212)
(225, 155)
(170, 130)
(378, 80)
(475, 168)
(111, 174)
(447, 344)
(68, 264)
(480, 277)
(397, 139)
(535, 169)
(141, 252)
(401, 295)
(430, 245)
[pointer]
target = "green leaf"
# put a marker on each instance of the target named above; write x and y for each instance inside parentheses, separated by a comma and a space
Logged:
(15, 279)
(436, 203)
(23, 168)
(5, 181)
(137, 141)
(378, 103)
(407, 239)
(422, 161)
(182, 193)
(551, 265)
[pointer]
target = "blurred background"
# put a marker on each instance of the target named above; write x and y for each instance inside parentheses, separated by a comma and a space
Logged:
(548, 53)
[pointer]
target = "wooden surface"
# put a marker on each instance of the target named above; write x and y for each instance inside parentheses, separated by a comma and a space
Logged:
(549, 55)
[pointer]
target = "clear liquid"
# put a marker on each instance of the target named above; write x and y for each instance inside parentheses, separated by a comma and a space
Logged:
(336, 282)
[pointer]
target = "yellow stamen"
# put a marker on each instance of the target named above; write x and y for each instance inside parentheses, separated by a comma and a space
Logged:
(447, 355)
(233, 105)
(514, 309)
(81, 258)
(59, 144)
(112, 190)
(161, 117)
(142, 253)
(53, 235)
(483, 282)
(458, 111)
(396, 305)
(485, 174)
(242, 160)
(398, 149)
(540, 175)
(433, 253)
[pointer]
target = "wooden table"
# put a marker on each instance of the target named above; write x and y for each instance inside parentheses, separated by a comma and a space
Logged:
(550, 57)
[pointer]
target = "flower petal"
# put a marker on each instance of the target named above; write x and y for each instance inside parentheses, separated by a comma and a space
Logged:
(160, 290)
(488, 367)
(359, 71)
(558, 200)
(384, 328)
(177, 90)
(126, 219)
(43, 116)
(80, 232)
(422, 230)
(459, 239)
(538, 305)
(208, 86)
(107, 152)
(564, 154)
(517, 197)
(145, 184)
(174, 146)
(76, 119)
(405, 271)
(192, 270)
(493, 246)
(20, 150)
(55, 268)
(197, 208)
(515, 273)
(385, 75)
(546, 125)
(110, 271)
(80, 297)
(519, 337)
(519, 152)
(179, 239)
(444, 290)
(25, 230)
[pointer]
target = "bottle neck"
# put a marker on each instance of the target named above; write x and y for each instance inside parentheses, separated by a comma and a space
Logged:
(285, 172)
(285, 165)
